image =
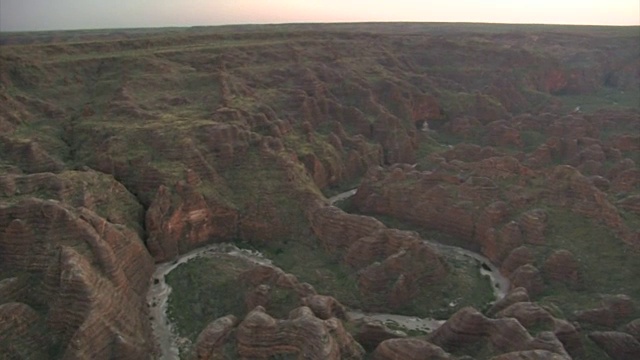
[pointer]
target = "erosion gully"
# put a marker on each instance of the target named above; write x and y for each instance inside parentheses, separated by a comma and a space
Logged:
(158, 296)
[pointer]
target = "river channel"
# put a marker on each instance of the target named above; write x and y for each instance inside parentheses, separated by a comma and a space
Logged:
(158, 296)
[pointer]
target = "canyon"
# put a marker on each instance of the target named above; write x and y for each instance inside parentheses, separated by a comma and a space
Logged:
(493, 168)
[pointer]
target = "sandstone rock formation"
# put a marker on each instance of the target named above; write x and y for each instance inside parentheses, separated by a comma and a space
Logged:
(211, 341)
(617, 345)
(302, 335)
(613, 309)
(409, 349)
(370, 333)
(392, 264)
(177, 223)
(633, 328)
(505, 335)
(89, 277)
(562, 266)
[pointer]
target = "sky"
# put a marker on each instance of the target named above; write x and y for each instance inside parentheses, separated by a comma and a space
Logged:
(24, 15)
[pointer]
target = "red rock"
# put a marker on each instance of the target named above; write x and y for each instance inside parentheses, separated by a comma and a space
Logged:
(94, 276)
(613, 309)
(325, 307)
(633, 328)
(29, 156)
(182, 220)
(570, 337)
(600, 182)
(370, 332)
(464, 327)
(599, 316)
(617, 345)
(528, 314)
(338, 230)
(259, 335)
(562, 266)
(528, 277)
(518, 257)
(515, 295)
(540, 157)
(210, 342)
(530, 355)
(547, 340)
(504, 335)
(621, 166)
(258, 296)
(627, 180)
(505, 241)
(409, 349)
(533, 224)
(499, 133)
(22, 332)
(392, 263)
(627, 142)
(620, 305)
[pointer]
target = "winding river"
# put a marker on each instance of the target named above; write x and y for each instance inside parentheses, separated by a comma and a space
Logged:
(158, 296)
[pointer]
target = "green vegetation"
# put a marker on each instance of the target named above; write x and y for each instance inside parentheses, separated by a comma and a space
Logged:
(463, 286)
(312, 264)
(205, 289)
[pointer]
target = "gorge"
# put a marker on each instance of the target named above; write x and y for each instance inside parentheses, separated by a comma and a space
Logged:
(485, 176)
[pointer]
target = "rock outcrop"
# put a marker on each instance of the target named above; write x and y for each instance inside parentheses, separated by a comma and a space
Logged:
(211, 341)
(617, 345)
(89, 277)
(562, 266)
(181, 221)
(409, 349)
(391, 264)
(301, 335)
(613, 309)
(370, 333)
(505, 335)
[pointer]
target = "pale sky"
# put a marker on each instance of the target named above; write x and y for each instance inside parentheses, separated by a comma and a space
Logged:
(19, 15)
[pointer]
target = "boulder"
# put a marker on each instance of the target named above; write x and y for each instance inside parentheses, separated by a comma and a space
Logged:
(409, 349)
(618, 345)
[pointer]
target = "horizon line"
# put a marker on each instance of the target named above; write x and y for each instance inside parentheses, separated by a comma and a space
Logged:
(321, 23)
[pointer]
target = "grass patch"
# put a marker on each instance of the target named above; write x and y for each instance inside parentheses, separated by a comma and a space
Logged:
(463, 286)
(205, 289)
(313, 265)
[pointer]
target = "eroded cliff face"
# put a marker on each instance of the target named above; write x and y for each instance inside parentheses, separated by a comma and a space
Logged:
(121, 153)
(73, 273)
